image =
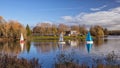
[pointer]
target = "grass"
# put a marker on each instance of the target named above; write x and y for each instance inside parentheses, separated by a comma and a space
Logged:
(56, 37)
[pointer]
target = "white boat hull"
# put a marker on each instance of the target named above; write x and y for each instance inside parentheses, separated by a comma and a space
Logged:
(89, 42)
(61, 42)
(21, 38)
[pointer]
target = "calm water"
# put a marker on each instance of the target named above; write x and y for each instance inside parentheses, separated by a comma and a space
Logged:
(48, 52)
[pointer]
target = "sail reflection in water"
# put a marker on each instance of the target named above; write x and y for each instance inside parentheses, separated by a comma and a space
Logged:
(22, 46)
(89, 47)
(73, 43)
(60, 46)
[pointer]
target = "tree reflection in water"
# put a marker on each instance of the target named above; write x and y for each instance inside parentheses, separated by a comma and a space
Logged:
(28, 45)
(11, 48)
(99, 41)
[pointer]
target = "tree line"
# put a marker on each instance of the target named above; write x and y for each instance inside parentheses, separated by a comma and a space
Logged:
(43, 29)
(53, 29)
(12, 29)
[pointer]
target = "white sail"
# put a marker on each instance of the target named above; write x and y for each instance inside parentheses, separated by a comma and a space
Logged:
(61, 37)
(21, 38)
(61, 41)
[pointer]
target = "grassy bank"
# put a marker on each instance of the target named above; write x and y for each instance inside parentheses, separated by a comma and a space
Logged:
(57, 37)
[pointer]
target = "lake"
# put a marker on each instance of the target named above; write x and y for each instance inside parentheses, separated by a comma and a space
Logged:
(48, 51)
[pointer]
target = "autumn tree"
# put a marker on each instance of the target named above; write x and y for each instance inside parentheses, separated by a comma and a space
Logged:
(75, 27)
(106, 32)
(2, 27)
(36, 30)
(16, 29)
(97, 31)
(11, 29)
(43, 29)
(54, 29)
(93, 31)
(62, 28)
(82, 30)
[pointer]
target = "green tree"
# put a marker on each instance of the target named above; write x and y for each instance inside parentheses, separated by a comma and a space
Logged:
(28, 30)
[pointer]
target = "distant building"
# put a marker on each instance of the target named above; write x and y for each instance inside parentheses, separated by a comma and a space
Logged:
(71, 33)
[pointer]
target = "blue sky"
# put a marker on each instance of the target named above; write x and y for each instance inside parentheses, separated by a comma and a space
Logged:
(56, 11)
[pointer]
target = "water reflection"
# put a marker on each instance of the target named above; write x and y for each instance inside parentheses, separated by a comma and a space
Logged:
(25, 46)
(28, 45)
(47, 50)
(89, 47)
(44, 47)
(73, 43)
(22, 46)
(99, 41)
(10, 48)
(60, 47)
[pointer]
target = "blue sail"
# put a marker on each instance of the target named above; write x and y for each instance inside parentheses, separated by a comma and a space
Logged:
(89, 38)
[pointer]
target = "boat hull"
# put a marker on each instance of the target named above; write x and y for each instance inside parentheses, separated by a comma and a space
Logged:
(89, 42)
(21, 41)
(61, 42)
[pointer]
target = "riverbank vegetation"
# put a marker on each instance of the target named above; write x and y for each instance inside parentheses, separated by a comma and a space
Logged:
(57, 37)
(11, 30)
(7, 61)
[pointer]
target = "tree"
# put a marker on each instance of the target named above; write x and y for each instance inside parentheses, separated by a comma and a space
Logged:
(97, 31)
(28, 30)
(93, 31)
(62, 28)
(16, 29)
(54, 29)
(106, 31)
(75, 27)
(82, 30)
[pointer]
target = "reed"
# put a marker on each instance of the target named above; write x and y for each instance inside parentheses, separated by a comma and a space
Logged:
(7, 61)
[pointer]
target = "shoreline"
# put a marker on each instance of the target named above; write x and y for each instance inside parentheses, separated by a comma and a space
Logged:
(56, 37)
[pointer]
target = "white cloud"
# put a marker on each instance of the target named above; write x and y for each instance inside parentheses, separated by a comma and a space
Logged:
(99, 8)
(67, 18)
(109, 19)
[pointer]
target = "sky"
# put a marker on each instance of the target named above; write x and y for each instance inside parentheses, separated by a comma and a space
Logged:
(84, 12)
